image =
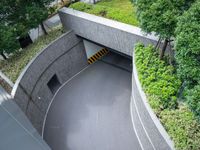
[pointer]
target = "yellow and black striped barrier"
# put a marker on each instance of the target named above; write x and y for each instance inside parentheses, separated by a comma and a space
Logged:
(97, 56)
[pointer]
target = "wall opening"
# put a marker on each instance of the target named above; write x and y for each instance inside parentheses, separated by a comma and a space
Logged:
(54, 84)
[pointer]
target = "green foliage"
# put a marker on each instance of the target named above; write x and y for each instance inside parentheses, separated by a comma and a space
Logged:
(17, 18)
(156, 76)
(160, 16)
(16, 63)
(182, 127)
(193, 99)
(81, 6)
(117, 10)
(8, 39)
(188, 55)
(188, 44)
(161, 85)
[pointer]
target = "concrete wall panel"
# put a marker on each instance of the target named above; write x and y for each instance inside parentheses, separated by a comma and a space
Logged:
(64, 58)
(112, 34)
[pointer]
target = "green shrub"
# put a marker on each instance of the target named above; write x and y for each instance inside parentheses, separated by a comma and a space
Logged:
(193, 99)
(182, 127)
(115, 13)
(161, 85)
(156, 76)
(81, 6)
(187, 44)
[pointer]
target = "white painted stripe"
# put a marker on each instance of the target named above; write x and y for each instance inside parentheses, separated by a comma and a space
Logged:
(134, 128)
(156, 121)
(45, 117)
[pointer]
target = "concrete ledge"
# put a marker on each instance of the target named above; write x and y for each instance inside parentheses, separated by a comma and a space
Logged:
(63, 58)
(153, 135)
(6, 83)
(112, 34)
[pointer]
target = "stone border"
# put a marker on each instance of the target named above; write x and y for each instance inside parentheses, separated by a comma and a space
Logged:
(139, 100)
(6, 83)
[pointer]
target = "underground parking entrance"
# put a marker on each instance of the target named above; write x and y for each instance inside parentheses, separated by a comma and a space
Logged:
(91, 111)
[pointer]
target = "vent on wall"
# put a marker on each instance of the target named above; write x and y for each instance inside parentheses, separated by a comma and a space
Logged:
(54, 84)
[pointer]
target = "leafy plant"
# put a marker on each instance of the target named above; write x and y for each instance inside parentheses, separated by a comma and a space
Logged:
(187, 46)
(156, 76)
(160, 17)
(161, 84)
(182, 127)
(193, 99)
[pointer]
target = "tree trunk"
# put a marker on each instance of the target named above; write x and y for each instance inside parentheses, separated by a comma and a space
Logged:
(158, 43)
(43, 28)
(171, 55)
(3, 55)
(162, 53)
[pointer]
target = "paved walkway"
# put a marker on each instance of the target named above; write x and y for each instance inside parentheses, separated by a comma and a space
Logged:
(92, 111)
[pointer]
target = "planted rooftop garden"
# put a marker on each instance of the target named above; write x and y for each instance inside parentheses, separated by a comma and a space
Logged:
(119, 10)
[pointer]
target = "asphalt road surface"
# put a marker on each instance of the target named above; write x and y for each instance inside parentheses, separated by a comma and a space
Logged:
(92, 110)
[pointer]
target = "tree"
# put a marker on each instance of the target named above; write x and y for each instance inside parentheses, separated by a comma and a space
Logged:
(17, 17)
(187, 45)
(24, 15)
(8, 40)
(160, 17)
(7, 33)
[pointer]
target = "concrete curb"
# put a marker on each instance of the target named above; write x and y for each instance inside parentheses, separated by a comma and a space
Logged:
(7, 84)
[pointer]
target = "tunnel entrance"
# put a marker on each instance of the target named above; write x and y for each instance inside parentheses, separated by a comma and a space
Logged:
(99, 52)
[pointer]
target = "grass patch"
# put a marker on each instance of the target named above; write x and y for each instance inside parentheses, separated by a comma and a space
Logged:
(14, 65)
(161, 85)
(119, 10)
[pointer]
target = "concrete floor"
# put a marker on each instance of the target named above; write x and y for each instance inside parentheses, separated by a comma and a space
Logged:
(92, 111)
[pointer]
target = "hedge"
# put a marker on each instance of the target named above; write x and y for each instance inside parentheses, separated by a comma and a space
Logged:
(157, 77)
(161, 85)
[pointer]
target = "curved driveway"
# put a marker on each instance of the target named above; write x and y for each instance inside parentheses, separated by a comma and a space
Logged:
(92, 111)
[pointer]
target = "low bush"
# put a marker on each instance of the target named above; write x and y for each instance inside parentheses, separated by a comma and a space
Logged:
(187, 45)
(161, 84)
(182, 127)
(115, 13)
(193, 99)
(157, 77)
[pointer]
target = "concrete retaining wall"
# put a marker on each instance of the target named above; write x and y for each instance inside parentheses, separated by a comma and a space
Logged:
(112, 34)
(147, 126)
(64, 58)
